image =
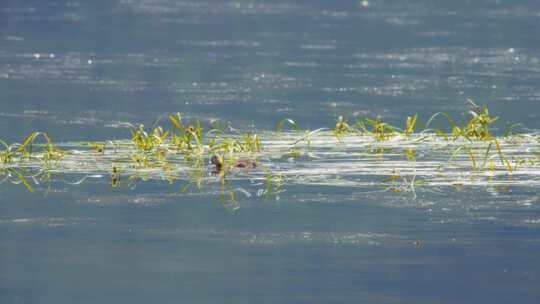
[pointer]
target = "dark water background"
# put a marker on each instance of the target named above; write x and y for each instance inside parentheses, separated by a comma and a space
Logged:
(81, 69)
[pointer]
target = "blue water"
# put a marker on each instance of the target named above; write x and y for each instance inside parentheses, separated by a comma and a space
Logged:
(82, 70)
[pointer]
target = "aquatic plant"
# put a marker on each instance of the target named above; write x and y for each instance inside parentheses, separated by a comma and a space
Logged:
(148, 141)
(476, 128)
(290, 122)
(376, 128)
(346, 155)
(410, 125)
(342, 127)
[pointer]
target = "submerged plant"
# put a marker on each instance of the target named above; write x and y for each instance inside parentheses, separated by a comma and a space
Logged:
(20, 178)
(115, 177)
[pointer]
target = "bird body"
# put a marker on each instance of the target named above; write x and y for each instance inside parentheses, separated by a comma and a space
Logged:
(217, 160)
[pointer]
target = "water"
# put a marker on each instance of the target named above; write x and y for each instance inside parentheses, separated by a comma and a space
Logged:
(81, 71)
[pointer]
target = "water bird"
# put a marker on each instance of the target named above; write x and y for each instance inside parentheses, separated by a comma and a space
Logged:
(217, 160)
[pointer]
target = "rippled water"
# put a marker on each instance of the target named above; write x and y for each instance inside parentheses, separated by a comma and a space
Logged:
(84, 70)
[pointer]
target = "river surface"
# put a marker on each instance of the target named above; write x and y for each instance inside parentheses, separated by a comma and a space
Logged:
(85, 70)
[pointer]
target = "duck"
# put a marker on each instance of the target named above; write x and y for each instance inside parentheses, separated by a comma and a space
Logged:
(217, 160)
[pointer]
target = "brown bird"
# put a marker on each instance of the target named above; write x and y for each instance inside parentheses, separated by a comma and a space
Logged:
(217, 161)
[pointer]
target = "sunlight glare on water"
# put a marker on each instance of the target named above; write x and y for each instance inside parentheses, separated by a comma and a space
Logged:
(339, 230)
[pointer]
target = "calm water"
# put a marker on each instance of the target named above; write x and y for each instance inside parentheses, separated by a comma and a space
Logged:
(81, 70)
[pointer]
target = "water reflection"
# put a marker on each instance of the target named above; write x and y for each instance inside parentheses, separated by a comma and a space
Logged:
(85, 71)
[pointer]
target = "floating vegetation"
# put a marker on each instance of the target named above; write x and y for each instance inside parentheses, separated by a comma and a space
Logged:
(368, 153)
